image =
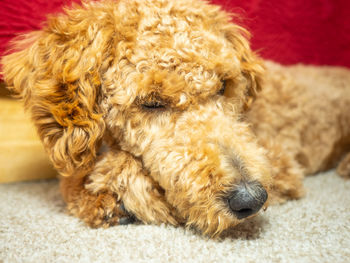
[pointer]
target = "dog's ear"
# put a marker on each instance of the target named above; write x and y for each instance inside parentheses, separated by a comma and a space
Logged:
(249, 83)
(56, 71)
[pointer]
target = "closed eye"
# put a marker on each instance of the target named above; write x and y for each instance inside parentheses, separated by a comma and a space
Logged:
(153, 105)
(223, 87)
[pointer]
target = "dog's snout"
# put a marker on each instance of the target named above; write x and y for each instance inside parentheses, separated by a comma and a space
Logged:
(247, 199)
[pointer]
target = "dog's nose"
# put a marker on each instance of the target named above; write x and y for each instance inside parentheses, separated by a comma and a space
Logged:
(247, 199)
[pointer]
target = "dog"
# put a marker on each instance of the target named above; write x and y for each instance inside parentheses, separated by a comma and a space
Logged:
(197, 130)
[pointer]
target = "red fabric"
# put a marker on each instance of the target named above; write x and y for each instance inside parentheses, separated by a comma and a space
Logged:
(308, 31)
(18, 16)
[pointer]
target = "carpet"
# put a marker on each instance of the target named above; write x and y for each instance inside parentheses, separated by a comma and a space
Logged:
(34, 227)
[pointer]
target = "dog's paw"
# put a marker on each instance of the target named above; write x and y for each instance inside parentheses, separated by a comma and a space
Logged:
(343, 168)
(279, 196)
(286, 188)
(152, 208)
(101, 210)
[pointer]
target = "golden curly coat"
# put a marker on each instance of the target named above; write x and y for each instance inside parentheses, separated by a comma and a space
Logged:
(169, 86)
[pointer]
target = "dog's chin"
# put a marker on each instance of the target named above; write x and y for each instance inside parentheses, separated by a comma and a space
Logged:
(215, 214)
(213, 226)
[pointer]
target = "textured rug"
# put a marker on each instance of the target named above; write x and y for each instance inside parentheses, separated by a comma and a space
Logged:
(34, 227)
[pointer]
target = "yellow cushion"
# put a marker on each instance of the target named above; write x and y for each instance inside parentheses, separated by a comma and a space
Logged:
(22, 156)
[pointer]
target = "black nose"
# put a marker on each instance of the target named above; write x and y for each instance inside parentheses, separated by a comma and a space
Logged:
(247, 199)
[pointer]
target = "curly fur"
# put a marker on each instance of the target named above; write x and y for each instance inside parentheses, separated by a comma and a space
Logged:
(88, 74)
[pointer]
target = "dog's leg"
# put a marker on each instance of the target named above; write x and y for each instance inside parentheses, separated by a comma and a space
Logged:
(115, 191)
(97, 210)
(343, 168)
(287, 175)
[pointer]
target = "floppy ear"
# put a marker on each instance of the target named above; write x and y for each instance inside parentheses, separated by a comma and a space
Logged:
(249, 83)
(56, 72)
(251, 65)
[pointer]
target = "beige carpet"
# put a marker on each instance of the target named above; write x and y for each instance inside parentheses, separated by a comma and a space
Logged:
(35, 228)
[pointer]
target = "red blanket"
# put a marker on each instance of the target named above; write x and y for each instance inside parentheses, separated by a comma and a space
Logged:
(292, 31)
(308, 31)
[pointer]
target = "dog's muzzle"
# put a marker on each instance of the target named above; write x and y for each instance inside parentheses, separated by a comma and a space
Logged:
(247, 199)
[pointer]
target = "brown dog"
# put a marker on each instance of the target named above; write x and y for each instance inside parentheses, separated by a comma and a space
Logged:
(172, 88)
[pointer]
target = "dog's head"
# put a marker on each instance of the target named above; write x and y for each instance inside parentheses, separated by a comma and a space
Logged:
(168, 82)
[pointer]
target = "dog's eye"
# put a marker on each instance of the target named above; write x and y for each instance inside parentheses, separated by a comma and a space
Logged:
(223, 87)
(153, 105)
